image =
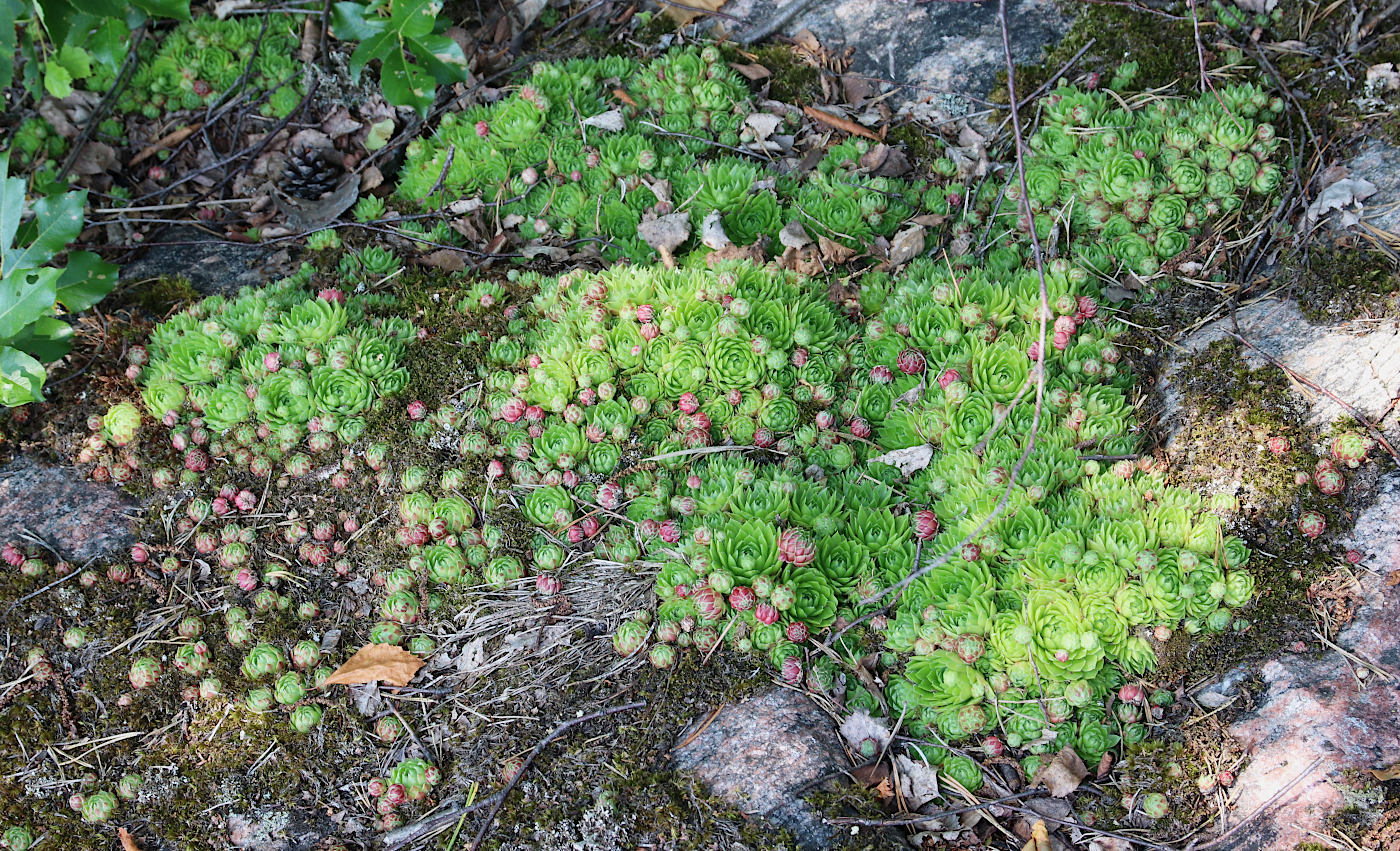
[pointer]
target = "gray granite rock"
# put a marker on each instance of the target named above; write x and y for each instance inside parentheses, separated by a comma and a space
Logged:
(759, 754)
(940, 48)
(211, 266)
(80, 519)
(1358, 361)
(1379, 162)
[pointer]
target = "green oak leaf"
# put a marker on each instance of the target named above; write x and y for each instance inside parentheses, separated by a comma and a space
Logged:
(85, 281)
(21, 378)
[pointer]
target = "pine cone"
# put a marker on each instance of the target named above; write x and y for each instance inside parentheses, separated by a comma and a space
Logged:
(309, 173)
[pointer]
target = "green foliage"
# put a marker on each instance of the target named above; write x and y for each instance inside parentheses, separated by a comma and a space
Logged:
(67, 43)
(392, 31)
(200, 61)
(33, 293)
(529, 155)
(276, 358)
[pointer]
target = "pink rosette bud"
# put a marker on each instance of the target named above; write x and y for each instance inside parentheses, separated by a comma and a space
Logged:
(792, 670)
(911, 362)
(926, 524)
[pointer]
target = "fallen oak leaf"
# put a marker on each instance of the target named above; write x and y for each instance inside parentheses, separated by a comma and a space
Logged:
(752, 71)
(383, 663)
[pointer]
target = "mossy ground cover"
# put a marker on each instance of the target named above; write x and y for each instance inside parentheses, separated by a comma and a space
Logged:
(548, 422)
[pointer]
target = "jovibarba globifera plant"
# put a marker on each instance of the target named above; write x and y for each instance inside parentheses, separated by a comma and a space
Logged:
(262, 375)
(654, 151)
(1054, 601)
(202, 59)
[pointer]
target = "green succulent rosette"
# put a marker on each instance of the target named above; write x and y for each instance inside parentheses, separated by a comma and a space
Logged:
(543, 507)
(746, 549)
(445, 563)
(344, 392)
(227, 406)
(285, 397)
(1063, 645)
(815, 598)
(312, 322)
(945, 682)
(561, 439)
(733, 364)
(1239, 588)
(962, 770)
(842, 561)
(455, 511)
(999, 371)
(969, 422)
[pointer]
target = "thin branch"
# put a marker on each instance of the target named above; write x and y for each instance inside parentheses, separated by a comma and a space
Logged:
(558, 731)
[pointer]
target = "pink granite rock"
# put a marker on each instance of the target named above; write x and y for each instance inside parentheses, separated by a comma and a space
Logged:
(1317, 708)
(760, 754)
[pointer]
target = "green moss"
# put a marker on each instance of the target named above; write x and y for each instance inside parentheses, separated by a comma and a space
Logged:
(163, 295)
(1232, 411)
(1160, 46)
(1340, 282)
(792, 80)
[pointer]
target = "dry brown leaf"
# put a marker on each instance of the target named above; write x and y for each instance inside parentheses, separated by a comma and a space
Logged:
(128, 842)
(446, 259)
(95, 158)
(907, 244)
(383, 663)
(884, 161)
(1391, 773)
(752, 71)
(834, 252)
(685, 11)
(665, 234)
(752, 253)
(1105, 766)
(622, 95)
(174, 137)
(1062, 774)
(840, 123)
(1393, 578)
(1040, 838)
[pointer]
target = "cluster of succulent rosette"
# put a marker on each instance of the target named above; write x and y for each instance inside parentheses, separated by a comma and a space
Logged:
(1345, 451)
(199, 61)
(1139, 183)
(272, 377)
(584, 150)
(786, 467)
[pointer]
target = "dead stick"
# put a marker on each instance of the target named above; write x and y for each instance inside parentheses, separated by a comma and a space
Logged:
(558, 731)
(917, 819)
